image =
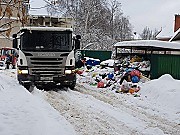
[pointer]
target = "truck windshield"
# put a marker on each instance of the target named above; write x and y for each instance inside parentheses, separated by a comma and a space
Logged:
(46, 41)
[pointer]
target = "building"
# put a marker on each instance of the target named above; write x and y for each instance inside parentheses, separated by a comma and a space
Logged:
(177, 22)
(176, 36)
(6, 41)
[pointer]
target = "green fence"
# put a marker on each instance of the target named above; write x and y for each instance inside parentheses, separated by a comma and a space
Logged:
(165, 64)
(98, 54)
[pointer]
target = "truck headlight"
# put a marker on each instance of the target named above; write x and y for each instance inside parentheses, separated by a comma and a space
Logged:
(68, 71)
(23, 71)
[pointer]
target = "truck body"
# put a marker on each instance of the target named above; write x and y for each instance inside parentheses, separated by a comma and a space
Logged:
(46, 56)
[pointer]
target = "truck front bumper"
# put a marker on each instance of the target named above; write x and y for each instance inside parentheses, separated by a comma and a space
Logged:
(65, 80)
(69, 79)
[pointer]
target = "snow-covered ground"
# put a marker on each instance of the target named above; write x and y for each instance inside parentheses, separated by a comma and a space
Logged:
(22, 113)
(89, 110)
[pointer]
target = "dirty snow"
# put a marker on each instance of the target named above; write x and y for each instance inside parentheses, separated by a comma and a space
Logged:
(89, 110)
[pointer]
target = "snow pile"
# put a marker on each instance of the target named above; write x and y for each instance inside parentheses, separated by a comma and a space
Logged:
(22, 113)
(163, 93)
(157, 97)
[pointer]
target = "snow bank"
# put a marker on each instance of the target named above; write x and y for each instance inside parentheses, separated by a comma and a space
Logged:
(164, 94)
(157, 97)
(22, 113)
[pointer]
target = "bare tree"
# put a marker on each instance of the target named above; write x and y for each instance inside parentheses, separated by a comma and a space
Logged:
(148, 34)
(13, 13)
(122, 28)
(96, 20)
(114, 9)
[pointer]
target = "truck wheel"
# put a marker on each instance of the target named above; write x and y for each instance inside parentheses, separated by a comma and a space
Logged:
(72, 86)
(7, 66)
(40, 87)
(13, 67)
(29, 87)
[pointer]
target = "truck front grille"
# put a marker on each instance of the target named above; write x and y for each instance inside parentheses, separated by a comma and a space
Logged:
(46, 63)
(47, 59)
(46, 71)
(46, 67)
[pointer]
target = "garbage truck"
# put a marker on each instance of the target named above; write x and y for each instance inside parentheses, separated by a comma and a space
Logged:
(46, 56)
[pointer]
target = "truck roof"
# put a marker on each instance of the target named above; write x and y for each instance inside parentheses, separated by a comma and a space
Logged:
(47, 28)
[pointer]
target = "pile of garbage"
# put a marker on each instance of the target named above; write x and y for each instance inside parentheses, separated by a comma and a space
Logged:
(135, 62)
(126, 80)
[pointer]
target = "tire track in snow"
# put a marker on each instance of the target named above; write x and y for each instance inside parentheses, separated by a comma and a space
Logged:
(85, 116)
(153, 121)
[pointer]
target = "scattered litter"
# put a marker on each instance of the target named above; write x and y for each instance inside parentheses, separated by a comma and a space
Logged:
(120, 80)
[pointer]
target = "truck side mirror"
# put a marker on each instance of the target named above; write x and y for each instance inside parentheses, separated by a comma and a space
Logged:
(15, 43)
(14, 35)
(77, 42)
(14, 40)
(78, 37)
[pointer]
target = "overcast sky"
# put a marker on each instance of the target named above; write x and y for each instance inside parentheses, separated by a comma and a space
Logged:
(142, 13)
(151, 13)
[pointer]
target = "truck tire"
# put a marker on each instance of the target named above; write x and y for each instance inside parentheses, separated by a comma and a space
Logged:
(7, 66)
(29, 87)
(13, 67)
(72, 86)
(39, 87)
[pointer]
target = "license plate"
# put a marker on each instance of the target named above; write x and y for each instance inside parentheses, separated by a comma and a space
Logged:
(46, 78)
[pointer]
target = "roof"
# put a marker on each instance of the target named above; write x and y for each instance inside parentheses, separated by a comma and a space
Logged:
(165, 33)
(149, 45)
(176, 36)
